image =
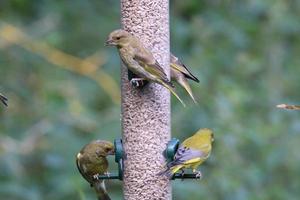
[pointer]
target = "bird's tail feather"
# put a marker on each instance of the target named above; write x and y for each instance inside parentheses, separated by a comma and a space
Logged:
(167, 172)
(168, 85)
(187, 87)
(101, 191)
(170, 171)
(188, 75)
(175, 169)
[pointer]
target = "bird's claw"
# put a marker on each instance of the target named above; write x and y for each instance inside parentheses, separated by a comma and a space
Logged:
(96, 176)
(107, 174)
(198, 174)
(137, 82)
(182, 174)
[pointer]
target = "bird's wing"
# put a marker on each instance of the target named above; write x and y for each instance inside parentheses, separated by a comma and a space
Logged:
(183, 69)
(185, 154)
(148, 62)
(80, 168)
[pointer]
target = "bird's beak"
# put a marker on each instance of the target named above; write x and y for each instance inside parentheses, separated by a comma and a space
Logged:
(111, 152)
(109, 42)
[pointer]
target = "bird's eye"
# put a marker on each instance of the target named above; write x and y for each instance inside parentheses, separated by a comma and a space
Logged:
(117, 38)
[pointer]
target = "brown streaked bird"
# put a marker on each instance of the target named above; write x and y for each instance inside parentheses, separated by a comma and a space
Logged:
(139, 60)
(180, 74)
(3, 99)
(91, 161)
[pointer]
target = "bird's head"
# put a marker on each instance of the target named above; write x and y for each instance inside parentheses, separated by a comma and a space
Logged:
(101, 148)
(106, 148)
(118, 38)
(205, 134)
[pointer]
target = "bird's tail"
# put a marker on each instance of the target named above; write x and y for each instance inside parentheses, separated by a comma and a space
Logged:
(169, 85)
(171, 168)
(170, 171)
(178, 66)
(167, 172)
(183, 82)
(3, 99)
(175, 168)
(101, 191)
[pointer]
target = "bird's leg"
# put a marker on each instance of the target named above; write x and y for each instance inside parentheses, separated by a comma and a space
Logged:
(137, 82)
(197, 173)
(182, 173)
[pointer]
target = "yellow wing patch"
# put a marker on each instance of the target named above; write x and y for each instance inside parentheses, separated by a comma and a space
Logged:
(192, 161)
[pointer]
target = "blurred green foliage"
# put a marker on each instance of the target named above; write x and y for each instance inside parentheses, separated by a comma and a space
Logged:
(245, 53)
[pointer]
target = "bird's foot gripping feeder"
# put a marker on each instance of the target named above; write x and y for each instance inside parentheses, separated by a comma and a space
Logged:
(136, 81)
(118, 159)
(169, 154)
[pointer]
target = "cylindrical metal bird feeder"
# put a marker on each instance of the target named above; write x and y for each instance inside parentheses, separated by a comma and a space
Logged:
(146, 111)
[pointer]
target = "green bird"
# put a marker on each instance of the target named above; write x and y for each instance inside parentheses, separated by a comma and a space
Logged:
(3, 99)
(91, 161)
(139, 60)
(191, 153)
(180, 74)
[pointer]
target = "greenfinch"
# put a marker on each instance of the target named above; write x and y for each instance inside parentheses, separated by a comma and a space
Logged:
(288, 107)
(191, 153)
(3, 99)
(91, 161)
(139, 60)
(180, 74)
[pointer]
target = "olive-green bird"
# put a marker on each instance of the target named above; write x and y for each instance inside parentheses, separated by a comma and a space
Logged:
(91, 161)
(180, 74)
(139, 60)
(3, 99)
(191, 153)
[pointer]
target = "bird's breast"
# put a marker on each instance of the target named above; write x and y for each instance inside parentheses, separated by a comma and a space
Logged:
(127, 57)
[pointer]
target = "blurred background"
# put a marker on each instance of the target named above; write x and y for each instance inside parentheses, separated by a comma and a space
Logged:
(63, 90)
